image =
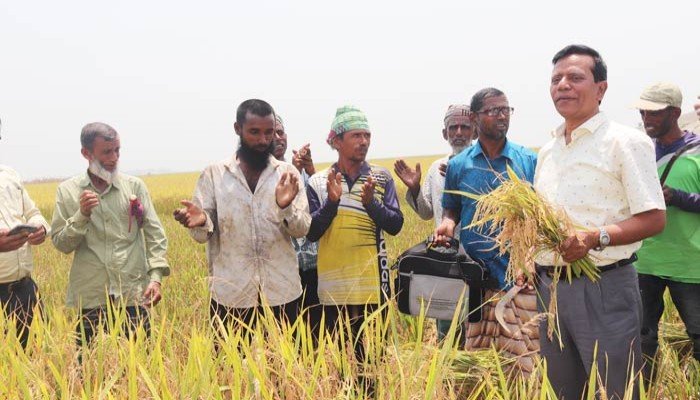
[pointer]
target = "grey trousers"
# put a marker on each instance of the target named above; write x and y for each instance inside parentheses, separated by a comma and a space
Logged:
(607, 313)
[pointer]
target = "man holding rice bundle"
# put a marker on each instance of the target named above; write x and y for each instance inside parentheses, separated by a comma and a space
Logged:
(603, 176)
(426, 199)
(481, 169)
(669, 260)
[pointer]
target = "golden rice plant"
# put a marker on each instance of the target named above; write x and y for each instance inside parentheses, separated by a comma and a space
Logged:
(179, 360)
(523, 224)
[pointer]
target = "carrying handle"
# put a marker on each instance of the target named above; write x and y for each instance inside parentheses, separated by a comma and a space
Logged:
(454, 243)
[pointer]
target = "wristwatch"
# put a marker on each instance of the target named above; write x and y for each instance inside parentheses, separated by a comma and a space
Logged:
(603, 240)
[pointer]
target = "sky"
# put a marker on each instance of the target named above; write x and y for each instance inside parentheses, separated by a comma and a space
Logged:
(168, 75)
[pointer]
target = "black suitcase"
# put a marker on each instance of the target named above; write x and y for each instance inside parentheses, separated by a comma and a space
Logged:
(436, 277)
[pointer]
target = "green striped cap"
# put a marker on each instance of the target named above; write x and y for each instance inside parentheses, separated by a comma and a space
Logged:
(347, 118)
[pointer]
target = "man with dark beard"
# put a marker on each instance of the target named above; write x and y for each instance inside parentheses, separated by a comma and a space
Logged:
(247, 209)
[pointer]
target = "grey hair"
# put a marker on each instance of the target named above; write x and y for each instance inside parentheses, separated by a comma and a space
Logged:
(94, 130)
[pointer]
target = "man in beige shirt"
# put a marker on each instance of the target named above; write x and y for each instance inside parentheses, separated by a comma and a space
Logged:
(247, 209)
(18, 292)
(107, 220)
(603, 175)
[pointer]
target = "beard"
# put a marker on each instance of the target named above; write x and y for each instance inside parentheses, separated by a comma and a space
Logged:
(256, 159)
(101, 172)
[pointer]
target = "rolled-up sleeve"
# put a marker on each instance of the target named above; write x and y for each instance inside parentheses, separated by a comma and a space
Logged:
(452, 201)
(68, 228)
(205, 199)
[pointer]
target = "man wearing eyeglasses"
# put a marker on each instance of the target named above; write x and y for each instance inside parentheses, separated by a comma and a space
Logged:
(603, 175)
(481, 169)
(18, 292)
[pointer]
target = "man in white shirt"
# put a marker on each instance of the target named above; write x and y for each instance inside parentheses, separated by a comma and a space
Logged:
(17, 289)
(603, 175)
(247, 209)
(426, 199)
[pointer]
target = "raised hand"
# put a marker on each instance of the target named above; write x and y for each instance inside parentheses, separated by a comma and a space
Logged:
(409, 176)
(287, 189)
(190, 216)
(334, 186)
(302, 159)
(368, 191)
(88, 201)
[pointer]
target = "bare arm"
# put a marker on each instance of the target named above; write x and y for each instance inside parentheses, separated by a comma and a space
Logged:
(637, 227)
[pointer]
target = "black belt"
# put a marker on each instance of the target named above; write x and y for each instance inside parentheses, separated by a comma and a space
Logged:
(9, 285)
(601, 269)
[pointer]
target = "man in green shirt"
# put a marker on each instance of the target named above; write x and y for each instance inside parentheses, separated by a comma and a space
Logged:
(670, 259)
(108, 221)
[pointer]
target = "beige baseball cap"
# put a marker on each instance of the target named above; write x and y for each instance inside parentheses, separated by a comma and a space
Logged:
(659, 96)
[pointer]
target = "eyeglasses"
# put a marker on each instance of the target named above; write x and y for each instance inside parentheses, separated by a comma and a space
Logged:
(496, 111)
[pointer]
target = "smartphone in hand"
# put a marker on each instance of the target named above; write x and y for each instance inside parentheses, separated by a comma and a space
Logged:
(23, 228)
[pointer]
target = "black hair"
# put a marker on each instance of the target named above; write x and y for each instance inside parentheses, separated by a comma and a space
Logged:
(479, 97)
(257, 107)
(600, 70)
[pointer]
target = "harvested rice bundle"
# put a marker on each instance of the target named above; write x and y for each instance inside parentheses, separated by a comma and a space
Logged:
(523, 224)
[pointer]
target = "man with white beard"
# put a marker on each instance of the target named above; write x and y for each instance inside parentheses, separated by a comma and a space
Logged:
(108, 221)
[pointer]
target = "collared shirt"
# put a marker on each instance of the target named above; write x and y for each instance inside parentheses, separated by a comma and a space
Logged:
(352, 259)
(307, 251)
(604, 176)
(110, 257)
(248, 236)
(428, 202)
(472, 171)
(667, 254)
(16, 208)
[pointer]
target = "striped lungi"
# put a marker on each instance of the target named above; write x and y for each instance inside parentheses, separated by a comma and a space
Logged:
(521, 341)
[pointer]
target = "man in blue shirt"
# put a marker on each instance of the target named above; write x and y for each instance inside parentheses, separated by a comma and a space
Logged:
(480, 169)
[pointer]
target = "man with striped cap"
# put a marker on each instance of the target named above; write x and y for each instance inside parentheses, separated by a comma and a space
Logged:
(352, 204)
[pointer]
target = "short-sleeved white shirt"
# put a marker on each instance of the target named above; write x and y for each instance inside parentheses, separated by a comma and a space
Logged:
(604, 176)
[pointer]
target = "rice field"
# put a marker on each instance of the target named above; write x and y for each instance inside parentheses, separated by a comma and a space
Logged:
(179, 360)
